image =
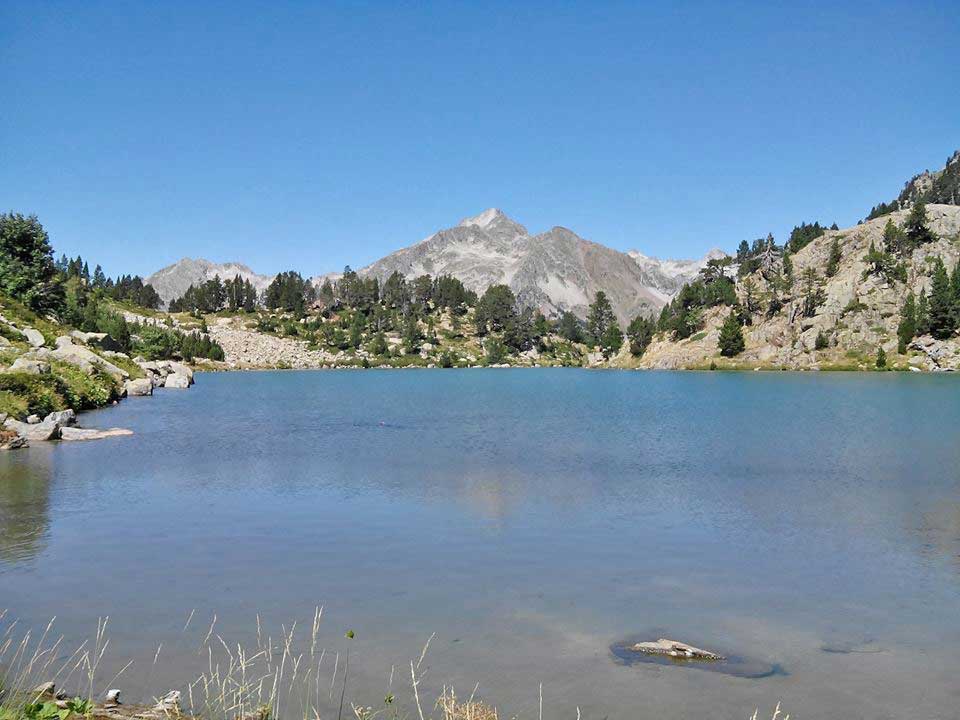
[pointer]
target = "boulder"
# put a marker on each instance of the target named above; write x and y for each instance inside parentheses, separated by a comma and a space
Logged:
(180, 369)
(64, 417)
(95, 339)
(138, 387)
(47, 430)
(33, 419)
(75, 433)
(176, 380)
(31, 367)
(34, 337)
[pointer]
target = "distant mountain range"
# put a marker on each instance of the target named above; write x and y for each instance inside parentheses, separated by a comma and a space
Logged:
(554, 271)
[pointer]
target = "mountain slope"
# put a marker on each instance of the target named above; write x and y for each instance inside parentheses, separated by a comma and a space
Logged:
(554, 271)
(172, 281)
(858, 312)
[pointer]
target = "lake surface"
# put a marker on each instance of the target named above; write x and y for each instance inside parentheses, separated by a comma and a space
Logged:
(531, 519)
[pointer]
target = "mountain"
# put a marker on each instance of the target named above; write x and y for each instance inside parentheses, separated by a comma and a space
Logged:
(554, 271)
(172, 281)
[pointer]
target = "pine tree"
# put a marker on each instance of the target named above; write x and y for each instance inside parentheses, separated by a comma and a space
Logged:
(923, 314)
(942, 319)
(640, 332)
(881, 361)
(907, 329)
(916, 229)
(833, 263)
(731, 336)
(600, 318)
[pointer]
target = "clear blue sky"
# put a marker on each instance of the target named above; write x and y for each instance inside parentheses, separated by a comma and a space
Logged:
(311, 135)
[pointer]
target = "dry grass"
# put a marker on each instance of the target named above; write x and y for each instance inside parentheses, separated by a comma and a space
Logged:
(289, 677)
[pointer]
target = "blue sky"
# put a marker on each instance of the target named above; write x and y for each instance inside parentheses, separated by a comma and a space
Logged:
(310, 135)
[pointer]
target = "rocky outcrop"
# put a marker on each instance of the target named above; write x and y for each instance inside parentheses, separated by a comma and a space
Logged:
(85, 359)
(10, 440)
(858, 312)
(31, 367)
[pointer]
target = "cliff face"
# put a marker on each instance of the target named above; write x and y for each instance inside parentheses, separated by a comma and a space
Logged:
(858, 314)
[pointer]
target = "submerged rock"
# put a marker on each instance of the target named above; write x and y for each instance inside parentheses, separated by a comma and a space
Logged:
(75, 433)
(672, 653)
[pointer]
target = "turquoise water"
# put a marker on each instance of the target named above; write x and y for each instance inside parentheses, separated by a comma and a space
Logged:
(531, 519)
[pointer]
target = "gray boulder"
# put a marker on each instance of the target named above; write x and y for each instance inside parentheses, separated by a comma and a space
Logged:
(29, 366)
(63, 417)
(47, 430)
(75, 433)
(34, 337)
(176, 380)
(33, 419)
(138, 387)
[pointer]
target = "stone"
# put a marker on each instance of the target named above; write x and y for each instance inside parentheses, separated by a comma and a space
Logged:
(675, 648)
(33, 419)
(75, 433)
(169, 703)
(176, 380)
(138, 387)
(47, 430)
(34, 337)
(64, 417)
(10, 440)
(29, 366)
(113, 698)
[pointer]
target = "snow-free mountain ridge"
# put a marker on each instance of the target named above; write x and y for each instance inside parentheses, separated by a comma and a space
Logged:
(553, 271)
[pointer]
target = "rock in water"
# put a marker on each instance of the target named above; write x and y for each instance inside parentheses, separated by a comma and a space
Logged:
(46, 430)
(64, 417)
(674, 648)
(140, 386)
(74, 433)
(9, 440)
(177, 380)
(169, 703)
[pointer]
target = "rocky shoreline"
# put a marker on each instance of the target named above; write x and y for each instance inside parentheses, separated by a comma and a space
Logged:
(87, 353)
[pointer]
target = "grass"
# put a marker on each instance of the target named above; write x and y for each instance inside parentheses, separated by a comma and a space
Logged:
(290, 677)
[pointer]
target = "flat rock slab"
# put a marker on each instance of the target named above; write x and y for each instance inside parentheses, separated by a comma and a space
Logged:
(675, 648)
(636, 651)
(75, 433)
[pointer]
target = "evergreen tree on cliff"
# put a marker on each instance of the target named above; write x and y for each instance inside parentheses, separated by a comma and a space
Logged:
(916, 228)
(942, 319)
(907, 329)
(731, 336)
(27, 270)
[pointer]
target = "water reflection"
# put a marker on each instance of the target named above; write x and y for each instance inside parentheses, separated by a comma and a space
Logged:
(25, 479)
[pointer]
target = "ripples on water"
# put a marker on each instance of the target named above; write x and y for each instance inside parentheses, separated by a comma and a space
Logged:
(531, 518)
